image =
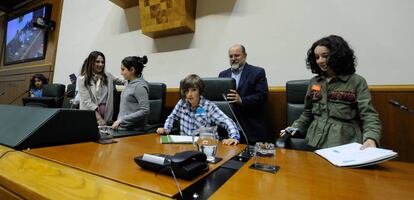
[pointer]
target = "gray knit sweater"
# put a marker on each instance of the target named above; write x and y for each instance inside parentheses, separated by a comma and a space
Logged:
(134, 107)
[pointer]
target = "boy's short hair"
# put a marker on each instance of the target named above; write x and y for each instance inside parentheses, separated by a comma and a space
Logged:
(192, 81)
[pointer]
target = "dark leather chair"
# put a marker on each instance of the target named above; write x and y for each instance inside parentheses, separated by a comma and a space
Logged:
(214, 90)
(69, 95)
(52, 97)
(295, 103)
(157, 94)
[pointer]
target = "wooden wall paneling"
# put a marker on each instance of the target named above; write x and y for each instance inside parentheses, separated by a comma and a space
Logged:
(15, 82)
(397, 124)
(276, 109)
(13, 86)
(53, 36)
(41, 68)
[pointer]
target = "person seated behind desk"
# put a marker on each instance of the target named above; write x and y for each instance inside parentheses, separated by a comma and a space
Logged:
(36, 85)
(338, 107)
(194, 111)
(134, 107)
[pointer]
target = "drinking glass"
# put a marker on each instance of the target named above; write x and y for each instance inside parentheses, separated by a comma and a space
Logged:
(106, 134)
(207, 142)
(265, 157)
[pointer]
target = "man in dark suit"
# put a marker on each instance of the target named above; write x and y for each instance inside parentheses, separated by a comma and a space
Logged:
(250, 97)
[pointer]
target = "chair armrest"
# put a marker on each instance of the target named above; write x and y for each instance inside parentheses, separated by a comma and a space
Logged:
(152, 128)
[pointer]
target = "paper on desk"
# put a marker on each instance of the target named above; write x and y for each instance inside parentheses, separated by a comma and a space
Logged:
(181, 139)
(350, 155)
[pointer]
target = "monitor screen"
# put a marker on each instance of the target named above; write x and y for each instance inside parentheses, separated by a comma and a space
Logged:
(24, 42)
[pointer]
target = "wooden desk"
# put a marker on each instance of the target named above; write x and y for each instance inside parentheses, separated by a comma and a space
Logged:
(4, 149)
(116, 161)
(305, 175)
(23, 176)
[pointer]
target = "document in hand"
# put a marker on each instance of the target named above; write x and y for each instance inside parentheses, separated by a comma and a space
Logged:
(178, 139)
(350, 155)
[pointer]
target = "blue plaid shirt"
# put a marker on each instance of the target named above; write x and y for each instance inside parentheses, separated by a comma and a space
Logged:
(207, 114)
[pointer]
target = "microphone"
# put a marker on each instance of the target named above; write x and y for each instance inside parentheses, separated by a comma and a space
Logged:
(26, 91)
(238, 124)
(400, 106)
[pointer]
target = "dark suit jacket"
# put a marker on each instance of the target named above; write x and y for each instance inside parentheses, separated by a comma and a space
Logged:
(253, 90)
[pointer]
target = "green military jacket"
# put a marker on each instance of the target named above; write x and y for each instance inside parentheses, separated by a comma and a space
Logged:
(338, 112)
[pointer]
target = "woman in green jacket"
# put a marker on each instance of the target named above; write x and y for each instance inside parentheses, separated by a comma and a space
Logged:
(338, 107)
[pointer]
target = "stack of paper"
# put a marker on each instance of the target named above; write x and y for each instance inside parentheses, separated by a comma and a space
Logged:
(178, 139)
(350, 155)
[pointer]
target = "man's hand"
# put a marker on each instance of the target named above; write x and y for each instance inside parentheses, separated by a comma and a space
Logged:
(233, 97)
(230, 141)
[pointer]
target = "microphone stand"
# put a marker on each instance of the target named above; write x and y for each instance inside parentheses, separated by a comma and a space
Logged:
(238, 124)
(18, 96)
(400, 106)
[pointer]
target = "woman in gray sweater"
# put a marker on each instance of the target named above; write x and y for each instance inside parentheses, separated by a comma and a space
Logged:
(134, 107)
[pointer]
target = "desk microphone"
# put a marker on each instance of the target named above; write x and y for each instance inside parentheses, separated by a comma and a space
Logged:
(400, 106)
(238, 124)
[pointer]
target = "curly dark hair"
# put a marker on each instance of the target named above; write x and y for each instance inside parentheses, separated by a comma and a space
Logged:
(192, 81)
(138, 63)
(90, 64)
(341, 58)
(41, 77)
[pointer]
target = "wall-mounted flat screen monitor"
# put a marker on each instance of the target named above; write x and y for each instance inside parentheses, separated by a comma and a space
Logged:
(24, 42)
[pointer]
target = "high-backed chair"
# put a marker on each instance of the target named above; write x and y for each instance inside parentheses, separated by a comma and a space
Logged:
(295, 103)
(52, 97)
(157, 94)
(69, 95)
(214, 90)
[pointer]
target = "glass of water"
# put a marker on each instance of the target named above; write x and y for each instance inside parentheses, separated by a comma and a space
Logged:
(207, 142)
(265, 157)
(106, 134)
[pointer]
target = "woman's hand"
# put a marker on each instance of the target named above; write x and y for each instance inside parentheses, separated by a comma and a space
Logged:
(101, 122)
(290, 130)
(162, 131)
(230, 141)
(368, 143)
(116, 124)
